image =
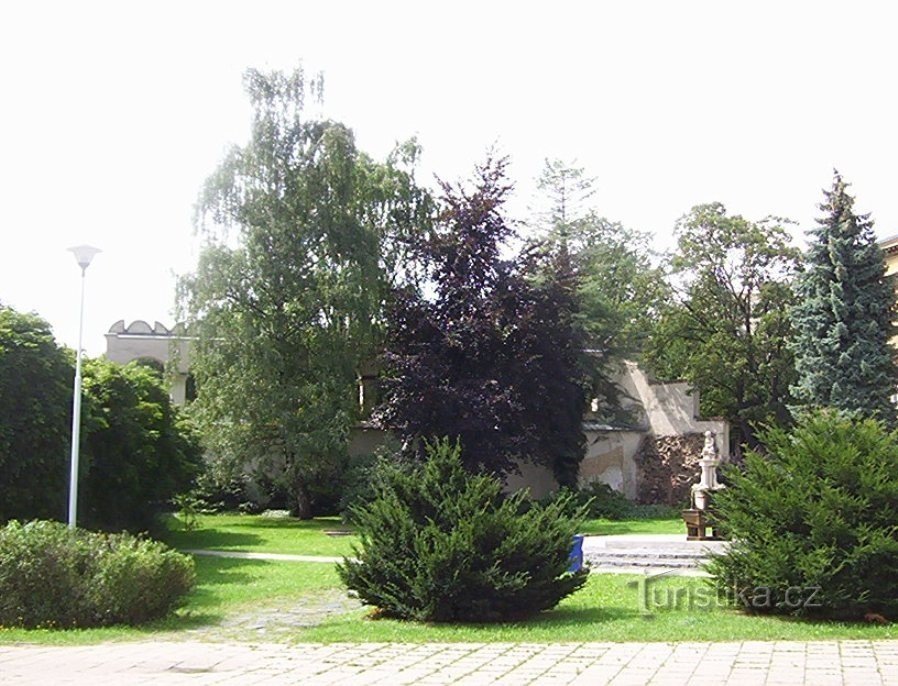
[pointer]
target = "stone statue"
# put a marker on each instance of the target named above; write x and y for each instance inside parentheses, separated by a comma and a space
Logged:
(709, 462)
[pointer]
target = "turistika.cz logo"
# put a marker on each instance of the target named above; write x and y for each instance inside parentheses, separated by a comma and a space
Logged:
(653, 596)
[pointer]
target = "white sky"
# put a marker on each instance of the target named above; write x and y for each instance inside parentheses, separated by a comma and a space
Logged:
(113, 114)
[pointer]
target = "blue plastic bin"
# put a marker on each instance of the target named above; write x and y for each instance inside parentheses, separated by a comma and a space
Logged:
(576, 556)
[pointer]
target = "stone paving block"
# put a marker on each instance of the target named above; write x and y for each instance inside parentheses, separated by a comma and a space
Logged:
(597, 674)
(192, 663)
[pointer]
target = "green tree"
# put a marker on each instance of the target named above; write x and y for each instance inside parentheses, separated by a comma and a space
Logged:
(844, 315)
(617, 289)
(812, 521)
(566, 189)
(287, 306)
(726, 332)
(138, 452)
(620, 290)
(35, 418)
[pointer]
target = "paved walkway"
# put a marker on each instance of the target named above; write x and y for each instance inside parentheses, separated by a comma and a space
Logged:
(700, 664)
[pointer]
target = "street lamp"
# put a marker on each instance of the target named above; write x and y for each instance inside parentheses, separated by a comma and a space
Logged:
(83, 254)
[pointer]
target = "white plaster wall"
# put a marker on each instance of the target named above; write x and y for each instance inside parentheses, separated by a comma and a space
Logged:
(610, 459)
(669, 409)
(537, 478)
(125, 344)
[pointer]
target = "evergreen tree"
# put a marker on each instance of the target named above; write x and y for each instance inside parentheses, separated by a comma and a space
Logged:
(843, 319)
(619, 289)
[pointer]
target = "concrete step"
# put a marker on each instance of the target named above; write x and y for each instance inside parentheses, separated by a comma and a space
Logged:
(633, 561)
(648, 554)
(684, 554)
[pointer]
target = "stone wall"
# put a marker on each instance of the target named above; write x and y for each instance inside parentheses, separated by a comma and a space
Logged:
(668, 466)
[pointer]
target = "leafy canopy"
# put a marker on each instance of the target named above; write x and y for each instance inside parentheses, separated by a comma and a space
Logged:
(618, 287)
(304, 235)
(727, 329)
(136, 450)
(489, 352)
(35, 418)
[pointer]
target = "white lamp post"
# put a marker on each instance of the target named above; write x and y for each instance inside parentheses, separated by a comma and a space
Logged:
(83, 254)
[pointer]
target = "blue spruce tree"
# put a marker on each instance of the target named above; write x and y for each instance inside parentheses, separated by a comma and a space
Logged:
(844, 317)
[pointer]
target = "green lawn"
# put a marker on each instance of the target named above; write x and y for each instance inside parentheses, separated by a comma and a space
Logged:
(289, 535)
(609, 608)
(256, 533)
(225, 587)
(608, 527)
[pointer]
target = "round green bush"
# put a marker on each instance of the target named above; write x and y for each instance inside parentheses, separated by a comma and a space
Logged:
(439, 544)
(814, 522)
(51, 576)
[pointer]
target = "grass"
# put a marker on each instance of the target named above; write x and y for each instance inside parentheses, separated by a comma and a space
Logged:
(255, 533)
(607, 527)
(609, 608)
(225, 587)
(259, 534)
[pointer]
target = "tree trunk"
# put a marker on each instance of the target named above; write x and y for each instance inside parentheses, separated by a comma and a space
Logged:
(302, 502)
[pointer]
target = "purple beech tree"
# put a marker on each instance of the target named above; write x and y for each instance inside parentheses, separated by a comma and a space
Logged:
(488, 350)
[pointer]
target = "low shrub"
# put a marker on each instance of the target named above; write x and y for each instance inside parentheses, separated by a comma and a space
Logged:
(600, 501)
(814, 521)
(51, 576)
(439, 544)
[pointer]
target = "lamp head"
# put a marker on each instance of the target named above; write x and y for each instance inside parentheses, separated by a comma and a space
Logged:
(84, 254)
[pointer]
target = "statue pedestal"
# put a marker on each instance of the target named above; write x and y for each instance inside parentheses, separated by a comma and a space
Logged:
(697, 525)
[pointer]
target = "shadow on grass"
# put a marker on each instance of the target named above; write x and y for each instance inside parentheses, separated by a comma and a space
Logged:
(211, 571)
(212, 538)
(610, 528)
(205, 606)
(291, 523)
(578, 616)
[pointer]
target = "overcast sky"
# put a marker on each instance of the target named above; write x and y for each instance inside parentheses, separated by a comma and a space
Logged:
(114, 113)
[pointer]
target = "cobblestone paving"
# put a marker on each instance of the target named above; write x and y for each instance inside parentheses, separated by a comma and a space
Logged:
(275, 622)
(822, 663)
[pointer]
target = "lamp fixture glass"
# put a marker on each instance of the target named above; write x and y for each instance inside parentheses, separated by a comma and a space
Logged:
(84, 254)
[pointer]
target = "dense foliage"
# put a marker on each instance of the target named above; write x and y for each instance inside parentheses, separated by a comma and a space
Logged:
(844, 315)
(489, 352)
(813, 521)
(727, 331)
(35, 418)
(440, 544)
(136, 450)
(620, 290)
(51, 576)
(304, 236)
(598, 500)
